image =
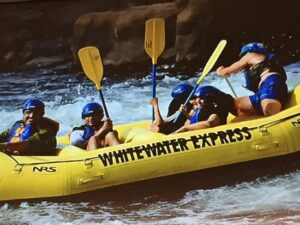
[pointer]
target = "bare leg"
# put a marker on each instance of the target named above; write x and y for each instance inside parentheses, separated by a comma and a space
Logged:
(244, 106)
(112, 139)
(270, 106)
(94, 143)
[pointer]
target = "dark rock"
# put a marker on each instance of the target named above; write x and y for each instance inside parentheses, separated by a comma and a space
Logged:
(48, 34)
(120, 35)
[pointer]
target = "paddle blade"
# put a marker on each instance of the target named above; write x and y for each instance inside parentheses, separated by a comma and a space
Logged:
(212, 60)
(92, 64)
(155, 38)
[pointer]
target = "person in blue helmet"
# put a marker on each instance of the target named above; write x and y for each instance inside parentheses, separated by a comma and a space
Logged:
(264, 75)
(166, 125)
(33, 135)
(211, 108)
(94, 133)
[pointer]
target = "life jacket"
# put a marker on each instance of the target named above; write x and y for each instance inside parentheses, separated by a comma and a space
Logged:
(20, 132)
(252, 75)
(88, 131)
(202, 113)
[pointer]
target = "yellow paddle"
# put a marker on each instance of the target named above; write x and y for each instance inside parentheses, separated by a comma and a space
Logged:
(212, 60)
(93, 68)
(209, 65)
(154, 46)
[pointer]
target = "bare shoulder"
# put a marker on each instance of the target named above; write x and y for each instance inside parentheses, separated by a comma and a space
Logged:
(254, 58)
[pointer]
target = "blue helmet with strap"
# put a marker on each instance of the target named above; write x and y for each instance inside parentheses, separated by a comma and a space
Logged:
(255, 47)
(34, 104)
(92, 108)
(206, 91)
(182, 91)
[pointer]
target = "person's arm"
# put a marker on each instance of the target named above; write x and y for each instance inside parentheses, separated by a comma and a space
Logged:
(16, 148)
(106, 127)
(42, 142)
(183, 111)
(54, 125)
(158, 119)
(212, 121)
(234, 68)
(76, 139)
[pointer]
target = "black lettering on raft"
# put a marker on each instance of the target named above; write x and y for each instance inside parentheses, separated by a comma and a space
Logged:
(201, 141)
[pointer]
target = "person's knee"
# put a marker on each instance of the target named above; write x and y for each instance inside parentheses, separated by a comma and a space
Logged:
(110, 134)
(242, 105)
(270, 108)
(154, 128)
(111, 138)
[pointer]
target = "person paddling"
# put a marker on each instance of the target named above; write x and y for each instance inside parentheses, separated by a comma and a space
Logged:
(211, 108)
(95, 133)
(264, 75)
(166, 125)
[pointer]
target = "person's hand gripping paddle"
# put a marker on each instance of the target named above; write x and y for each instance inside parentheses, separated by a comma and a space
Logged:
(209, 65)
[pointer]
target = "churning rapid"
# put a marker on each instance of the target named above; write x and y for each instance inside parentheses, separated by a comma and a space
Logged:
(263, 201)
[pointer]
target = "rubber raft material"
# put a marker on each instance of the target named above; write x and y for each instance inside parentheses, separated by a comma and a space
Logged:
(146, 157)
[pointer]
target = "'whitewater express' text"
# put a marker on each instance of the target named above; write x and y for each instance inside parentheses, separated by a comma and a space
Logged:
(156, 149)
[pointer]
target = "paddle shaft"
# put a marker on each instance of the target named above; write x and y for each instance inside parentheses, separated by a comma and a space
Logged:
(231, 88)
(186, 101)
(153, 87)
(103, 103)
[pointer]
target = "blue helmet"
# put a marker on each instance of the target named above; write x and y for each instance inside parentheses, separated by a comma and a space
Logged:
(182, 91)
(253, 47)
(34, 104)
(92, 108)
(206, 91)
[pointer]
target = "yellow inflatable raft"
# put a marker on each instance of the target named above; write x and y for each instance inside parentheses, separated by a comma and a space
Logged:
(167, 161)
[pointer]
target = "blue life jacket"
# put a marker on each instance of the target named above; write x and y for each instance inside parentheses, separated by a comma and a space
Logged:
(204, 112)
(195, 117)
(20, 132)
(88, 131)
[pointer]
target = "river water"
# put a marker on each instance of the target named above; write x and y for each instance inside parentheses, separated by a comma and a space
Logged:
(262, 201)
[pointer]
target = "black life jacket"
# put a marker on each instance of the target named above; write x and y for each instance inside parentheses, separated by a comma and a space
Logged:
(252, 75)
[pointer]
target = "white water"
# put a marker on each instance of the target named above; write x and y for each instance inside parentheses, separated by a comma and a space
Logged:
(264, 201)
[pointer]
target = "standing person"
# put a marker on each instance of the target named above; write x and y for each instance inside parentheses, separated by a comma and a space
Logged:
(166, 125)
(95, 133)
(264, 76)
(211, 108)
(33, 135)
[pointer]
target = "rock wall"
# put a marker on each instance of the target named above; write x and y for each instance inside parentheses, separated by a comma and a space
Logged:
(48, 34)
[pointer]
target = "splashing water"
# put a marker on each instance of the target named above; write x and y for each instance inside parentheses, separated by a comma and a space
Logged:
(263, 201)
